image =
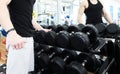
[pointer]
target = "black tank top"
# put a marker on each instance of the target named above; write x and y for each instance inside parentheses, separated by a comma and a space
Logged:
(94, 13)
(21, 16)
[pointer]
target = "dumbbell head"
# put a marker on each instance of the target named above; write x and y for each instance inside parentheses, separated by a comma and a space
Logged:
(75, 28)
(58, 63)
(92, 33)
(79, 41)
(39, 36)
(89, 61)
(50, 38)
(44, 26)
(61, 28)
(75, 68)
(112, 28)
(62, 39)
(39, 47)
(101, 27)
(53, 27)
(45, 56)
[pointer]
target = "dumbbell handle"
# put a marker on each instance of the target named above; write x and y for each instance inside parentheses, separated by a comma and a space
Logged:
(51, 55)
(40, 52)
(66, 58)
(84, 62)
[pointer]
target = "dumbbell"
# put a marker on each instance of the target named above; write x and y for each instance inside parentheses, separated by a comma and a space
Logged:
(58, 63)
(53, 27)
(39, 48)
(2, 68)
(75, 28)
(79, 41)
(92, 33)
(101, 27)
(61, 28)
(44, 26)
(112, 30)
(62, 39)
(82, 40)
(44, 57)
(84, 62)
(39, 37)
(50, 38)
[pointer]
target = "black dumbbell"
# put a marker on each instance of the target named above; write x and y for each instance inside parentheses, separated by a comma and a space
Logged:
(39, 37)
(112, 30)
(53, 27)
(101, 27)
(75, 28)
(61, 28)
(62, 39)
(84, 62)
(38, 50)
(44, 57)
(44, 26)
(2, 68)
(81, 40)
(58, 63)
(92, 33)
(50, 38)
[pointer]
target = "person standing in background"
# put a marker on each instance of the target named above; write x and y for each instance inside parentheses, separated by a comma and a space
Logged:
(16, 19)
(94, 10)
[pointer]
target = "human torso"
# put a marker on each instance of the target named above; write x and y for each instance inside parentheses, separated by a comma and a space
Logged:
(93, 12)
(21, 16)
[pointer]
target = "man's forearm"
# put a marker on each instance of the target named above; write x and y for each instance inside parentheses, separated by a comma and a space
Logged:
(36, 25)
(107, 17)
(4, 17)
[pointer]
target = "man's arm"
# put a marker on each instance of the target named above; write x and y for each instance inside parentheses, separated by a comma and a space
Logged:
(105, 14)
(37, 26)
(4, 15)
(81, 11)
(15, 40)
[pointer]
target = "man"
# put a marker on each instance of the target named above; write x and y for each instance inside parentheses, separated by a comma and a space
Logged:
(94, 10)
(16, 19)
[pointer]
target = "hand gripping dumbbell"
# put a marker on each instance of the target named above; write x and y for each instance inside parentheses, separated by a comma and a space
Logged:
(58, 63)
(84, 62)
(39, 37)
(53, 27)
(45, 57)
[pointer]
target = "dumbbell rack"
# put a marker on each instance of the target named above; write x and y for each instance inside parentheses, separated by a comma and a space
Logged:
(107, 65)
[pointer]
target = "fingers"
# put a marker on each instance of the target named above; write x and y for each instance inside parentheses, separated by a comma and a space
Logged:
(47, 30)
(18, 45)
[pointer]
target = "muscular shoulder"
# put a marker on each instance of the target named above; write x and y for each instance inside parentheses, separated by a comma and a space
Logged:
(101, 1)
(5, 1)
(84, 3)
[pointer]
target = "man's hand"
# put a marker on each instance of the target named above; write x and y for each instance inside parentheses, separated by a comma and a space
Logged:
(15, 40)
(46, 30)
